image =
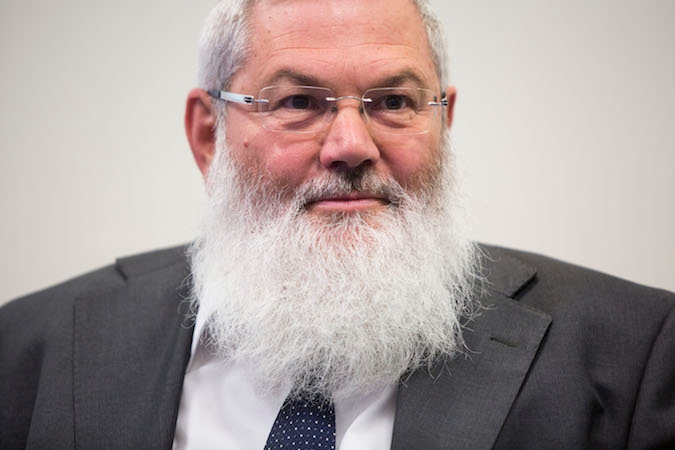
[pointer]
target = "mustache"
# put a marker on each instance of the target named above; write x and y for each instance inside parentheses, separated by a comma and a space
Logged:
(341, 184)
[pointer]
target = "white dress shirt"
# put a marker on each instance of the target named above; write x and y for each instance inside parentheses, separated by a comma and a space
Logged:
(220, 409)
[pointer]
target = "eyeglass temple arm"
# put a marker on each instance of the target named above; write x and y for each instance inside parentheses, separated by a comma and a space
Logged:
(232, 97)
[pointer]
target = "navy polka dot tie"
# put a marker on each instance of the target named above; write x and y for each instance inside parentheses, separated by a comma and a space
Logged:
(303, 424)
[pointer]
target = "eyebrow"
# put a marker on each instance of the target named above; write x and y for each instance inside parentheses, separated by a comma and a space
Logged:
(303, 79)
(296, 77)
(407, 75)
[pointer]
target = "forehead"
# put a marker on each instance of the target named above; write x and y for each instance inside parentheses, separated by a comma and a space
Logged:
(339, 42)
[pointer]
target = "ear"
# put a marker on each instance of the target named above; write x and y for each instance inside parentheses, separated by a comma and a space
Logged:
(451, 96)
(200, 122)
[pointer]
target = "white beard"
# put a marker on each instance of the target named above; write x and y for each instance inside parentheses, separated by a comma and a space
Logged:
(334, 305)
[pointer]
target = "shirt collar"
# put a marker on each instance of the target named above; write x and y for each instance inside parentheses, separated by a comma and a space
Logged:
(197, 334)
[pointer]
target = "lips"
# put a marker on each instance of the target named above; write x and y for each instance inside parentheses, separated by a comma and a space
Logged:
(354, 201)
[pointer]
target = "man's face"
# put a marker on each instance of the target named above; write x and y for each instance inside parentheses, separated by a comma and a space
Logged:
(348, 46)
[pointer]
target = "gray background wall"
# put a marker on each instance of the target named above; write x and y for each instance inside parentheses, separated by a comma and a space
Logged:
(565, 126)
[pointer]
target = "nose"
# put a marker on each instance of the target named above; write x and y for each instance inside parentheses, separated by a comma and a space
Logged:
(348, 143)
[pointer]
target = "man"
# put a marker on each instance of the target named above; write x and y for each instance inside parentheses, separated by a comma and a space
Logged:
(333, 275)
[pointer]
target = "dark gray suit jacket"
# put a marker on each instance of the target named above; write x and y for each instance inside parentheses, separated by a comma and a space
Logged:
(561, 358)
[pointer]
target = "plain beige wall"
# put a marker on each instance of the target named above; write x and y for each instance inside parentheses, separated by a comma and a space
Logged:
(565, 127)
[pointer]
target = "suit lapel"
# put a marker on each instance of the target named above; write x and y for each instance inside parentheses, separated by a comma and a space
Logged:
(462, 403)
(130, 350)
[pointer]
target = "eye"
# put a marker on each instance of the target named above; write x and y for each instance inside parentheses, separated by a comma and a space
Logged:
(299, 102)
(394, 102)
(391, 101)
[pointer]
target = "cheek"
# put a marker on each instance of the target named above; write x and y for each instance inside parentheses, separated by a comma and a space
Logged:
(413, 161)
(271, 156)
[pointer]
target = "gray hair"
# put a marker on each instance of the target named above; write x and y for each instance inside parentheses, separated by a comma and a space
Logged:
(224, 41)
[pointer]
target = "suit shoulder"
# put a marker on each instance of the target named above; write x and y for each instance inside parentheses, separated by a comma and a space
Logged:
(148, 262)
(56, 301)
(564, 274)
(559, 287)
